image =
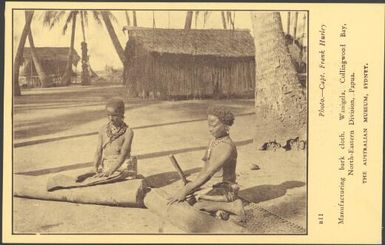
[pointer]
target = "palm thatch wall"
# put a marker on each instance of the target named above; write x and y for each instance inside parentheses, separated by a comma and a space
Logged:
(174, 63)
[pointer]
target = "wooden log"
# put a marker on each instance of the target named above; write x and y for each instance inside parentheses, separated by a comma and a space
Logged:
(187, 218)
(127, 193)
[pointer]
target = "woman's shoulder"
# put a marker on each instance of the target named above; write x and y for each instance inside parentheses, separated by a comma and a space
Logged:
(229, 142)
(129, 132)
(103, 128)
(223, 147)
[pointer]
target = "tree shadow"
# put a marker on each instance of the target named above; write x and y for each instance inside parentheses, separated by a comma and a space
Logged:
(51, 106)
(166, 178)
(267, 192)
(199, 108)
(91, 100)
(54, 125)
(49, 125)
(73, 95)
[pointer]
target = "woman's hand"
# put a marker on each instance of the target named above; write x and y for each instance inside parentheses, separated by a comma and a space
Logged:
(107, 173)
(98, 169)
(180, 196)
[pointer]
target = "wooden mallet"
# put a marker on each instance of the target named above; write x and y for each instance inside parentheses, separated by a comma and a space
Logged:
(190, 198)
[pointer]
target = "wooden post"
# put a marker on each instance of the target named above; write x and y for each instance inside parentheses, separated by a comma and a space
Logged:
(134, 18)
(288, 23)
(31, 74)
(223, 20)
(168, 19)
(303, 33)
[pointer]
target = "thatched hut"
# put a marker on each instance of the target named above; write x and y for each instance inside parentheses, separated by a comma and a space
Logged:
(174, 63)
(53, 61)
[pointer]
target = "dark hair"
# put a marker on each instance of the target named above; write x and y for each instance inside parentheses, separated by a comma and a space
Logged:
(117, 104)
(222, 113)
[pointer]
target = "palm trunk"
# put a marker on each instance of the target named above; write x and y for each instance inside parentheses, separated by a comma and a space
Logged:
(19, 53)
(66, 79)
(82, 24)
(127, 18)
(114, 38)
(280, 100)
(188, 21)
(44, 79)
(85, 76)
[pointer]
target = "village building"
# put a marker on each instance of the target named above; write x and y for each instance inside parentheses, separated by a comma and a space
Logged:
(53, 61)
(175, 63)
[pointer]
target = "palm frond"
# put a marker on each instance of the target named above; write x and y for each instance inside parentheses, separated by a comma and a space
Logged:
(96, 14)
(68, 20)
(112, 17)
(52, 17)
(40, 14)
(47, 16)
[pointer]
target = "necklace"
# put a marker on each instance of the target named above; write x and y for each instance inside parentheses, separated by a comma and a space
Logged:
(113, 131)
(215, 142)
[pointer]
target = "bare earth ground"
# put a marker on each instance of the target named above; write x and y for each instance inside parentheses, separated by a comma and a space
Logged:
(54, 130)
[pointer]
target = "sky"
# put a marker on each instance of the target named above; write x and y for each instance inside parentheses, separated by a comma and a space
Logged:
(100, 48)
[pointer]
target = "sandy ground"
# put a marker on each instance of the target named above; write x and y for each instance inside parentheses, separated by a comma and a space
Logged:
(54, 131)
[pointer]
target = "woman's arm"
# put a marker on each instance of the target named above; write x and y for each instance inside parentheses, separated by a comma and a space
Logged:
(98, 153)
(219, 156)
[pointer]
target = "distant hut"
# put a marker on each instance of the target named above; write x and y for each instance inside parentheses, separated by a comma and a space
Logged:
(175, 63)
(53, 61)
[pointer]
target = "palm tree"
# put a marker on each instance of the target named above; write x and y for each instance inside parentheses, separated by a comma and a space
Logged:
(85, 77)
(44, 79)
(280, 100)
(107, 16)
(188, 21)
(114, 38)
(127, 18)
(19, 52)
(51, 18)
(66, 79)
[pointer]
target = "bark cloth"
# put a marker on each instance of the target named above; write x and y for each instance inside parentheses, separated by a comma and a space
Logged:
(79, 187)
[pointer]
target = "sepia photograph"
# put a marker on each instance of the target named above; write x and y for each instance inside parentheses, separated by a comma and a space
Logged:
(163, 121)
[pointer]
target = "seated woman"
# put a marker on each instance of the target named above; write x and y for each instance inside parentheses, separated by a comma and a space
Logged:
(112, 151)
(115, 139)
(220, 162)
